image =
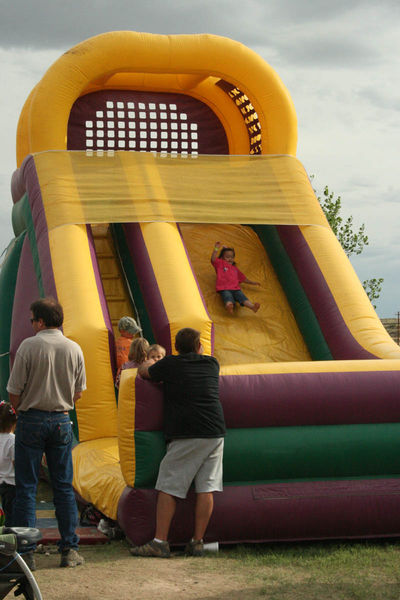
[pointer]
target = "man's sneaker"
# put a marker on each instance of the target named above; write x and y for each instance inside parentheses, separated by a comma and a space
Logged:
(29, 558)
(153, 548)
(194, 548)
(71, 558)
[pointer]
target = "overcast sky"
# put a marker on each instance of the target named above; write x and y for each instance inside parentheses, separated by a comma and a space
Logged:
(339, 60)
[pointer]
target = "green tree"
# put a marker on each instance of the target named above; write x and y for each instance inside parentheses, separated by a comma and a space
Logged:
(352, 241)
(373, 287)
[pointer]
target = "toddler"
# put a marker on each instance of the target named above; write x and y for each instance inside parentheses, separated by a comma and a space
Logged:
(8, 421)
(156, 352)
(229, 279)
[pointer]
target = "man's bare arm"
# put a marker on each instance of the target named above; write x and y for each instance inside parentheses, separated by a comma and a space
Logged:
(15, 400)
(77, 395)
(143, 369)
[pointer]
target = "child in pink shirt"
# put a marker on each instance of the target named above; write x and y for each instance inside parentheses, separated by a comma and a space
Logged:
(229, 279)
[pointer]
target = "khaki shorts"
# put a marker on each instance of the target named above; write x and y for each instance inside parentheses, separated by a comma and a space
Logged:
(187, 460)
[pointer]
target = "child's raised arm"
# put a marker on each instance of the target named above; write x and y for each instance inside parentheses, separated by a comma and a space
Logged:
(217, 248)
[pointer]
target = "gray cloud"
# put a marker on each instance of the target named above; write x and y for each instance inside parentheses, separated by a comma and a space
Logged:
(318, 51)
(60, 24)
(381, 99)
(320, 11)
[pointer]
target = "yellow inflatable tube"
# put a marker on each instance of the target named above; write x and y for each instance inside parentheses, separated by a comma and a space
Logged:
(84, 322)
(180, 295)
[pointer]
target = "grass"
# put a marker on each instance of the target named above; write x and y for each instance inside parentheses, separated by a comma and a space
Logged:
(325, 569)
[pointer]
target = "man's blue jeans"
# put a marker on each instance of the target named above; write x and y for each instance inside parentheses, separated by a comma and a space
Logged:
(50, 433)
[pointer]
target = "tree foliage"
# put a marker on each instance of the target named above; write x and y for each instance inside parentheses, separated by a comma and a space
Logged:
(373, 288)
(352, 241)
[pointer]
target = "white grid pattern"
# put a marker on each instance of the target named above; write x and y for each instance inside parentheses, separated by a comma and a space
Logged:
(144, 127)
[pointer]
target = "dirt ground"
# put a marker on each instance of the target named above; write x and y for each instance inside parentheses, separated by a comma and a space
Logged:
(121, 576)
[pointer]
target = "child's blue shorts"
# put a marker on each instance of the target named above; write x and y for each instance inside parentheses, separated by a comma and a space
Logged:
(233, 296)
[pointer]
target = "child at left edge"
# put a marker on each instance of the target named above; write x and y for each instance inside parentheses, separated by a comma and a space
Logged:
(8, 422)
(229, 279)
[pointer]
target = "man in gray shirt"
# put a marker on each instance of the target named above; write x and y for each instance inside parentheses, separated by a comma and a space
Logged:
(47, 378)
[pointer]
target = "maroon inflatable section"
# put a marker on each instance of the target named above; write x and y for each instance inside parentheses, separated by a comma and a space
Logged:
(26, 292)
(145, 121)
(289, 399)
(275, 512)
(41, 232)
(148, 285)
(342, 344)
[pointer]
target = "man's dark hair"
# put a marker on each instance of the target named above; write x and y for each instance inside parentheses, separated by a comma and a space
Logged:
(49, 310)
(187, 340)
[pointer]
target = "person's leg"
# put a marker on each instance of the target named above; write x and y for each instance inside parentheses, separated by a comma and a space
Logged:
(59, 460)
(228, 300)
(159, 547)
(240, 297)
(166, 505)
(203, 512)
(7, 493)
(208, 479)
(254, 307)
(177, 470)
(29, 446)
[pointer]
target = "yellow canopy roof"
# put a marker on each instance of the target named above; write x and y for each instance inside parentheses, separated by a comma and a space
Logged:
(122, 187)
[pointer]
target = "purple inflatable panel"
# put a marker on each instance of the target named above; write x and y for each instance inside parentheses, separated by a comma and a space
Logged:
(148, 285)
(341, 343)
(40, 226)
(26, 292)
(290, 399)
(275, 512)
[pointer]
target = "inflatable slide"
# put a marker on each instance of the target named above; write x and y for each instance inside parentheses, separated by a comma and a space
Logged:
(135, 153)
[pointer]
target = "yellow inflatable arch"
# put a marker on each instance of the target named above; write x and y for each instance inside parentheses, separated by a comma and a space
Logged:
(189, 64)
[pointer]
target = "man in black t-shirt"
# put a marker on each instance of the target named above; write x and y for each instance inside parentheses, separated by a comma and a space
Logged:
(194, 427)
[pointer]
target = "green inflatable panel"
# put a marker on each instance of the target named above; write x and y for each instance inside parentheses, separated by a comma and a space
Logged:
(8, 280)
(271, 454)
